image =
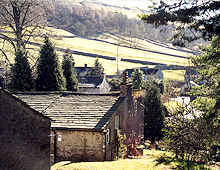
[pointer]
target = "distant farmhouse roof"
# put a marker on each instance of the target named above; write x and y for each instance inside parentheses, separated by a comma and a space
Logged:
(147, 72)
(83, 71)
(74, 111)
(91, 81)
(88, 81)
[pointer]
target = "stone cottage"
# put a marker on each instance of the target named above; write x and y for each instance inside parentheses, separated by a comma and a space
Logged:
(88, 83)
(93, 84)
(83, 125)
(24, 135)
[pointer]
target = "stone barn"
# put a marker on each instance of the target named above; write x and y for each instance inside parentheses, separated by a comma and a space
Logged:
(83, 125)
(24, 135)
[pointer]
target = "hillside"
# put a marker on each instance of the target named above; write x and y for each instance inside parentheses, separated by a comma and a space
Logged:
(87, 18)
(130, 8)
(131, 52)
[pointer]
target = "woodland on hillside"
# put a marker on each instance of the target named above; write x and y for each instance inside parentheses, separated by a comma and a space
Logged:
(84, 20)
(87, 21)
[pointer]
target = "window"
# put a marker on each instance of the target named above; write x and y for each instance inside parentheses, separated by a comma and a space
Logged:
(107, 136)
(117, 122)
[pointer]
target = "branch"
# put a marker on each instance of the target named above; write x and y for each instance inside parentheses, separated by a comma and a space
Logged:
(30, 35)
(6, 57)
(5, 37)
(24, 18)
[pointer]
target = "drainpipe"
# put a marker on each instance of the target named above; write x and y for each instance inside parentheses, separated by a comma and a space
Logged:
(55, 146)
(105, 144)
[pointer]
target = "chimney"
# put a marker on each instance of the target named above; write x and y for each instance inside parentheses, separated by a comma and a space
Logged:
(126, 87)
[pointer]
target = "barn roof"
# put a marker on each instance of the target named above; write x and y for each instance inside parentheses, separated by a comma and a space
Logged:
(6, 92)
(74, 110)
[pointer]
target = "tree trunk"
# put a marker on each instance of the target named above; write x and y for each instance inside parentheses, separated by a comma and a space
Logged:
(153, 144)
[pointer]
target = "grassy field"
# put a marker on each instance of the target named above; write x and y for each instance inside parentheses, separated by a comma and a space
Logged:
(107, 46)
(177, 75)
(152, 160)
(148, 162)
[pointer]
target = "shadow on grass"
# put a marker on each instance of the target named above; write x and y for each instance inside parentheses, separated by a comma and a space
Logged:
(181, 164)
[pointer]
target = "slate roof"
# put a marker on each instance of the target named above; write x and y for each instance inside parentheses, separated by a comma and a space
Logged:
(86, 80)
(74, 111)
(145, 70)
(82, 71)
(90, 80)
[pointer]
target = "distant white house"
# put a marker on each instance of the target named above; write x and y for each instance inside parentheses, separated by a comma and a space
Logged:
(94, 84)
(89, 83)
(191, 75)
(187, 86)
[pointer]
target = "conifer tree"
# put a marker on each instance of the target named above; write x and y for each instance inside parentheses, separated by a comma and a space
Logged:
(200, 17)
(208, 67)
(22, 79)
(98, 69)
(137, 78)
(153, 114)
(69, 73)
(49, 77)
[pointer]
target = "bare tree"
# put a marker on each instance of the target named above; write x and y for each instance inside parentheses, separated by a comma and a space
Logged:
(19, 19)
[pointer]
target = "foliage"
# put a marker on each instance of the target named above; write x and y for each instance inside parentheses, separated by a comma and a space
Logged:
(69, 73)
(169, 90)
(191, 134)
(208, 67)
(121, 147)
(98, 69)
(115, 84)
(22, 18)
(137, 79)
(155, 82)
(188, 135)
(182, 164)
(85, 21)
(22, 79)
(195, 15)
(153, 114)
(132, 145)
(49, 77)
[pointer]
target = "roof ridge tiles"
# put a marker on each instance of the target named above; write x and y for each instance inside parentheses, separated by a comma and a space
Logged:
(65, 93)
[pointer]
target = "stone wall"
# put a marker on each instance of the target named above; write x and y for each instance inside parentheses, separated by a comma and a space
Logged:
(131, 121)
(122, 112)
(24, 136)
(78, 146)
